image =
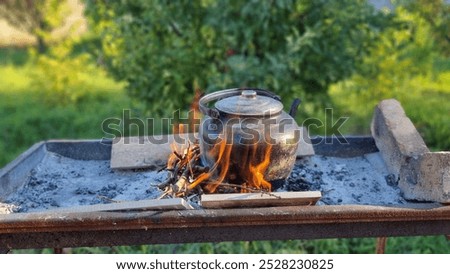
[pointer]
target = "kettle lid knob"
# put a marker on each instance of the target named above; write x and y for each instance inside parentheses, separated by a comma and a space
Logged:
(251, 94)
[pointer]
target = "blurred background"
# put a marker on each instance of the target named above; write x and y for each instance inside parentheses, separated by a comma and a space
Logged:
(67, 65)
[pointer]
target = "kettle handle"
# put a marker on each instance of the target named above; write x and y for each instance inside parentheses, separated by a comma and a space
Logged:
(221, 94)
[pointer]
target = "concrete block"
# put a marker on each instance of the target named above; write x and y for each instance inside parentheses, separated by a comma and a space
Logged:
(395, 135)
(427, 177)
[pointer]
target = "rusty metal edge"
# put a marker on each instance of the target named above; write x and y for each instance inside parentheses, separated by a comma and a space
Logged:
(13, 174)
(22, 157)
(276, 216)
(82, 149)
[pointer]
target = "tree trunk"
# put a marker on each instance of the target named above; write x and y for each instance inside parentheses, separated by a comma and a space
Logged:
(41, 46)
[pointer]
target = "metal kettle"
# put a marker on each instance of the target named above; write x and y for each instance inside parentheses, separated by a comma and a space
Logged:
(247, 139)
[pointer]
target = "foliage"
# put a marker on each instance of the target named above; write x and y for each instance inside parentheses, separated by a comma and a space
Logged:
(437, 14)
(37, 17)
(28, 117)
(60, 73)
(167, 49)
(402, 66)
(63, 76)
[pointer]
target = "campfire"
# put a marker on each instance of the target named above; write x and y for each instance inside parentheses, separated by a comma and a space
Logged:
(188, 176)
(229, 163)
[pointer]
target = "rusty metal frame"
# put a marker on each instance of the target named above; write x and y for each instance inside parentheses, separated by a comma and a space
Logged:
(38, 230)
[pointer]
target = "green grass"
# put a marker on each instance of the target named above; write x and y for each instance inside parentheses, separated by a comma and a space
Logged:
(29, 116)
(13, 56)
(395, 245)
(424, 98)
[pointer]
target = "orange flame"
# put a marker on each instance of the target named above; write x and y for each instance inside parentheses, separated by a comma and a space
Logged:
(256, 172)
(252, 172)
(223, 162)
(218, 150)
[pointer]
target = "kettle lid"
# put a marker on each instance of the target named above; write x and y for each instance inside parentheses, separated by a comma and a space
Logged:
(249, 103)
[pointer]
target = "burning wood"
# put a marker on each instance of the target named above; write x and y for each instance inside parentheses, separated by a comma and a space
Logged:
(187, 176)
(189, 179)
(182, 168)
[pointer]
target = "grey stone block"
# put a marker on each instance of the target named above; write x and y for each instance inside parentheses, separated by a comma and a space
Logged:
(395, 135)
(427, 177)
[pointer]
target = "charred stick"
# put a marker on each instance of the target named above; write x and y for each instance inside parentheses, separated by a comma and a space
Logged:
(178, 168)
(250, 189)
(190, 166)
(191, 156)
(200, 169)
(187, 150)
(181, 168)
(166, 193)
(178, 155)
(199, 190)
(172, 161)
(182, 182)
(163, 185)
(107, 199)
(166, 183)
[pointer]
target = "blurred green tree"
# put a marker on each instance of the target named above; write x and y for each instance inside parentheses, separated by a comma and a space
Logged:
(59, 72)
(166, 49)
(402, 66)
(437, 14)
(37, 17)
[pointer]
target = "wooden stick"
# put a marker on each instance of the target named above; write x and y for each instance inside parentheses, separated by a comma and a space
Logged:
(259, 199)
(153, 204)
